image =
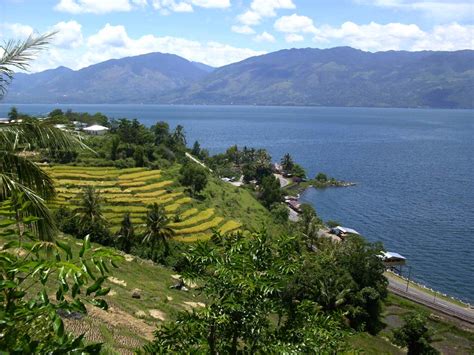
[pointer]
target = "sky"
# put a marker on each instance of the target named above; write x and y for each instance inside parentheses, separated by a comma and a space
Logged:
(220, 32)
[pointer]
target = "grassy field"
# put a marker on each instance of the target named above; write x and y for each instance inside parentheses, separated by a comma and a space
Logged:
(132, 190)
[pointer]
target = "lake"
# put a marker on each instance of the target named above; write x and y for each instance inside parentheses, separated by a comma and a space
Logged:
(414, 171)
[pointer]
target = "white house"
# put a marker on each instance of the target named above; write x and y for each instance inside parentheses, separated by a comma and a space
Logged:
(343, 231)
(96, 130)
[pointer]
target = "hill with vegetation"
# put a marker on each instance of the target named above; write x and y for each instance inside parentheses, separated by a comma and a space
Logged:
(136, 79)
(341, 76)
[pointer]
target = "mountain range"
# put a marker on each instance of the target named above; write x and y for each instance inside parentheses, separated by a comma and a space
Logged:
(340, 76)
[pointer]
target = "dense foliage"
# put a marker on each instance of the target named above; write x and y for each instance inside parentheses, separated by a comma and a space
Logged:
(30, 320)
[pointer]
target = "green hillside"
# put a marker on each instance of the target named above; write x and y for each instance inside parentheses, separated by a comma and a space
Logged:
(221, 207)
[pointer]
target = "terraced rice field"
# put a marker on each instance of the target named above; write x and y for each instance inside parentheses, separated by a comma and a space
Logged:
(132, 190)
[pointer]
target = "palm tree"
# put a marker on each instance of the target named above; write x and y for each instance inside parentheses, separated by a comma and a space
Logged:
(126, 235)
(19, 140)
(89, 210)
(157, 227)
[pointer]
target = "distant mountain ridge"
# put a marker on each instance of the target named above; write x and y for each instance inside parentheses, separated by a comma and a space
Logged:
(340, 76)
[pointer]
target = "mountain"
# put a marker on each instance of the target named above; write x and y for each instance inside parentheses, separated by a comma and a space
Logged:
(132, 79)
(340, 76)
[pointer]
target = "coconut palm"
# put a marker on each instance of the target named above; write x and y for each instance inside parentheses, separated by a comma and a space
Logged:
(19, 141)
(126, 235)
(157, 227)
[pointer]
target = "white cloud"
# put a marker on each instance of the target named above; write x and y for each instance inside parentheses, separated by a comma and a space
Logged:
(208, 4)
(16, 30)
(264, 37)
(69, 34)
(172, 5)
(295, 24)
(140, 3)
(447, 38)
(446, 10)
(244, 30)
(266, 8)
(249, 18)
(292, 38)
(397, 36)
(167, 6)
(92, 6)
(259, 9)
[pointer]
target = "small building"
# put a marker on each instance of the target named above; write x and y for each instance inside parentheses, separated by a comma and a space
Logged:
(96, 130)
(343, 231)
(391, 259)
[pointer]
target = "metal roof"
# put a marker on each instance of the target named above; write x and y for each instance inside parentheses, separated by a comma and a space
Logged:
(96, 127)
(390, 255)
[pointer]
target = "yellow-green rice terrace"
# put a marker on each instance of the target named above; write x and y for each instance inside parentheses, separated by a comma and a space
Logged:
(132, 190)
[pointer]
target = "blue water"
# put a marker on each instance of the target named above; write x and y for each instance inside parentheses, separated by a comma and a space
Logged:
(414, 171)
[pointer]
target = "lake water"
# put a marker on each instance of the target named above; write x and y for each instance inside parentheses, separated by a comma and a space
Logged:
(414, 171)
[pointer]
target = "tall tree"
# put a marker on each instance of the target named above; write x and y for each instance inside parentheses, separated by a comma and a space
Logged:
(126, 235)
(178, 136)
(415, 335)
(90, 216)
(287, 163)
(157, 227)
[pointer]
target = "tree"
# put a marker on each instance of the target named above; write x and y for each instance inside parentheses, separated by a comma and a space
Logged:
(270, 191)
(242, 278)
(157, 228)
(13, 114)
(414, 335)
(126, 236)
(114, 145)
(194, 177)
(178, 136)
(321, 177)
(90, 216)
(30, 321)
(287, 163)
(161, 131)
(196, 151)
(280, 213)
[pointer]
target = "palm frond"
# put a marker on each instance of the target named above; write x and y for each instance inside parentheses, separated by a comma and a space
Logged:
(45, 227)
(27, 173)
(18, 54)
(38, 134)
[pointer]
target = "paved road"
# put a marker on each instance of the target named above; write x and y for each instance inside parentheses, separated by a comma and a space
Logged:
(399, 286)
(283, 182)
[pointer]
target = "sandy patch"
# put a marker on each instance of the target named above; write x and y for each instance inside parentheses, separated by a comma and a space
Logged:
(157, 314)
(128, 257)
(117, 281)
(112, 293)
(190, 305)
(118, 318)
(169, 298)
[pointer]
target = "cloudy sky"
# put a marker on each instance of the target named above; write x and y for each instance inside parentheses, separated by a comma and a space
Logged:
(219, 32)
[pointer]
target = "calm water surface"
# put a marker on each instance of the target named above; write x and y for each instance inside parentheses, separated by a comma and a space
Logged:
(414, 171)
